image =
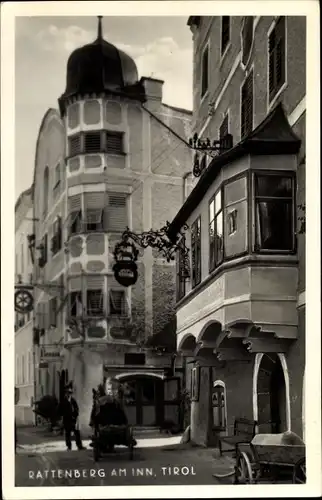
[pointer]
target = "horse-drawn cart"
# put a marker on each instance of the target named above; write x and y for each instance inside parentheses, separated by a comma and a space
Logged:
(110, 425)
(271, 458)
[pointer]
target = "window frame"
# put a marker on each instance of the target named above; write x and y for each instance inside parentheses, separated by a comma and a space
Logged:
(194, 246)
(95, 312)
(216, 263)
(273, 94)
(281, 173)
(56, 240)
(123, 309)
(103, 146)
(72, 296)
(181, 288)
(225, 118)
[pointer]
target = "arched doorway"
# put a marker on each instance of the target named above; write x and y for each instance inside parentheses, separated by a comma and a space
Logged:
(271, 408)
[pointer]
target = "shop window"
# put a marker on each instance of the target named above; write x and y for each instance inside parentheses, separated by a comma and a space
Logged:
(95, 303)
(76, 304)
(56, 241)
(276, 56)
(247, 106)
(205, 71)
(196, 252)
(274, 213)
(216, 239)
(219, 407)
(225, 33)
(247, 38)
(117, 303)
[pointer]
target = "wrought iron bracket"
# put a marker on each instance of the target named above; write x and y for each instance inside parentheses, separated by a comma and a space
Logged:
(211, 148)
(158, 240)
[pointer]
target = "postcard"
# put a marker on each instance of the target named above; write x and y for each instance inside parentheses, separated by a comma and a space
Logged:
(164, 334)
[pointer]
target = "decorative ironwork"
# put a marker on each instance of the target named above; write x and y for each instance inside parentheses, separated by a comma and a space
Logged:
(126, 253)
(212, 149)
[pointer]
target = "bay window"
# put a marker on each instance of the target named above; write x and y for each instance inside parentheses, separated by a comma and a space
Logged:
(196, 252)
(216, 241)
(274, 213)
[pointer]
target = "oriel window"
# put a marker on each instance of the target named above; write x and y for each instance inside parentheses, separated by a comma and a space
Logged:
(274, 213)
(216, 235)
(276, 55)
(247, 106)
(196, 252)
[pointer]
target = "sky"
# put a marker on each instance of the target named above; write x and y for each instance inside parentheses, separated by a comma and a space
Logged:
(161, 48)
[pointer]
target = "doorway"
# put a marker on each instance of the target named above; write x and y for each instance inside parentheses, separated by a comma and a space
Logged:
(271, 395)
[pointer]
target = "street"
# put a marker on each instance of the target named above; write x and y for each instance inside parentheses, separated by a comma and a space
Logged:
(171, 464)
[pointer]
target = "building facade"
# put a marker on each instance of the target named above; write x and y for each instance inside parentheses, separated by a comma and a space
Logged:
(24, 365)
(113, 156)
(241, 316)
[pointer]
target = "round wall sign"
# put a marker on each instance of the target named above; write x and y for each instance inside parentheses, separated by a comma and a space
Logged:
(126, 273)
(24, 301)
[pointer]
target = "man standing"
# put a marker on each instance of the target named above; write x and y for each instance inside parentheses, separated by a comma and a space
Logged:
(69, 411)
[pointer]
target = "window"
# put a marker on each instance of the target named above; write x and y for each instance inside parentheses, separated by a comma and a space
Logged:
(205, 71)
(53, 306)
(114, 143)
(247, 106)
(232, 222)
(76, 304)
(95, 300)
(57, 176)
(134, 358)
(216, 242)
(225, 33)
(223, 129)
(117, 303)
(56, 241)
(45, 191)
(247, 38)
(116, 216)
(93, 206)
(276, 58)
(274, 213)
(75, 222)
(74, 145)
(219, 407)
(196, 252)
(43, 248)
(181, 282)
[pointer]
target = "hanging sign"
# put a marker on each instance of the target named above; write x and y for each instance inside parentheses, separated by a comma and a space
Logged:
(49, 353)
(126, 273)
(24, 301)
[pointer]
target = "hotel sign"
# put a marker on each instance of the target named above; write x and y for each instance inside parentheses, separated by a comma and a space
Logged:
(49, 353)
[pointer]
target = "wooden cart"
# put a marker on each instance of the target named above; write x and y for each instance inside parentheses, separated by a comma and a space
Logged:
(271, 458)
(106, 437)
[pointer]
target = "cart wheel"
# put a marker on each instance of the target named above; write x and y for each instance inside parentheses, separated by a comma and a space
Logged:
(299, 472)
(244, 472)
(96, 452)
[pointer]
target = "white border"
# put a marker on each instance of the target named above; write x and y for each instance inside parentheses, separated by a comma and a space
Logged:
(313, 271)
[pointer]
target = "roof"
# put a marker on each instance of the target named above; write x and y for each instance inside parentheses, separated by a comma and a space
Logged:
(193, 20)
(27, 192)
(274, 136)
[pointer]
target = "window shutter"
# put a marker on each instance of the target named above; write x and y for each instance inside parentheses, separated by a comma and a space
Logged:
(116, 218)
(247, 106)
(74, 203)
(117, 302)
(247, 37)
(94, 282)
(225, 28)
(271, 68)
(94, 200)
(93, 142)
(114, 142)
(223, 130)
(74, 145)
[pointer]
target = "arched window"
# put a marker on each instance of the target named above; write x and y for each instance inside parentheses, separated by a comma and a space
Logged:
(219, 406)
(45, 191)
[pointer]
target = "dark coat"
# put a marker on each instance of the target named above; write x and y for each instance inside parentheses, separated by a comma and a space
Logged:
(69, 411)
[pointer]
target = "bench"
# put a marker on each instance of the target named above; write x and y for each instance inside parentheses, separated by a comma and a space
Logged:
(244, 431)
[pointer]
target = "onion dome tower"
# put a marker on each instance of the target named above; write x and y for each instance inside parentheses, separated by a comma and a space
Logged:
(100, 68)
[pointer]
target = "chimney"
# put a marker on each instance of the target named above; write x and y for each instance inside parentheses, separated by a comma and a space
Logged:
(153, 88)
